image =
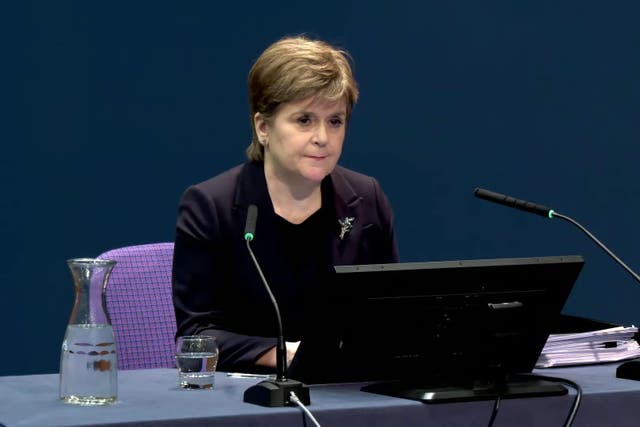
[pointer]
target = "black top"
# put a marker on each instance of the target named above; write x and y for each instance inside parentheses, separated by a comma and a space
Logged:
(305, 249)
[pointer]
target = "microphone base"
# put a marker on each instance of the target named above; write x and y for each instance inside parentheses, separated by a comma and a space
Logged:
(629, 370)
(276, 393)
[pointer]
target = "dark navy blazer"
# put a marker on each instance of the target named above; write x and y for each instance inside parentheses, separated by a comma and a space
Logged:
(217, 289)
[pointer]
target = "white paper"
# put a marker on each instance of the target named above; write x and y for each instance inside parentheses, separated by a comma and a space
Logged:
(604, 345)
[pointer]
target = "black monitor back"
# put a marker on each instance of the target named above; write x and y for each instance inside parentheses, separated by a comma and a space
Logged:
(435, 322)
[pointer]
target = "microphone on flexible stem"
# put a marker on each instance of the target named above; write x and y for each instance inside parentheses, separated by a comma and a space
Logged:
(629, 370)
(272, 392)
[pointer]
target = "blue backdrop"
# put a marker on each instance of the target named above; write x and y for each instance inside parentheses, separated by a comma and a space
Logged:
(114, 108)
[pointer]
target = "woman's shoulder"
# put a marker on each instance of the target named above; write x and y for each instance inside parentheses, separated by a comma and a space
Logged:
(358, 180)
(217, 190)
(220, 183)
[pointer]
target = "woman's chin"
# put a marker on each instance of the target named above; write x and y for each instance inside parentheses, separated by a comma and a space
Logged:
(316, 174)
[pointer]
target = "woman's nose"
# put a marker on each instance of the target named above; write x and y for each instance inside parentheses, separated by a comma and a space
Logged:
(321, 135)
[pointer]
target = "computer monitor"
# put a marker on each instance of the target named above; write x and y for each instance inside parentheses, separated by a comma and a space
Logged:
(438, 331)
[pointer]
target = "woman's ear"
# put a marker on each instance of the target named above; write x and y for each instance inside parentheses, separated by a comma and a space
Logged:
(261, 126)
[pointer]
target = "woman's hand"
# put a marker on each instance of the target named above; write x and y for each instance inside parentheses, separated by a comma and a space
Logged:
(292, 348)
(268, 359)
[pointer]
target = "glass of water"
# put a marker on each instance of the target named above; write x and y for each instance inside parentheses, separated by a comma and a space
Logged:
(196, 359)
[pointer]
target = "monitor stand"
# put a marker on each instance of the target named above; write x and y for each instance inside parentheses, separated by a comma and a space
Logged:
(524, 386)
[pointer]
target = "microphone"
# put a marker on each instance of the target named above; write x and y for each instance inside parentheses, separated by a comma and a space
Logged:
(250, 225)
(510, 201)
(275, 392)
(629, 370)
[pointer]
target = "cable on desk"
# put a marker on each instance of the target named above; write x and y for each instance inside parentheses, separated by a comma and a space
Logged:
(576, 400)
(494, 413)
(295, 399)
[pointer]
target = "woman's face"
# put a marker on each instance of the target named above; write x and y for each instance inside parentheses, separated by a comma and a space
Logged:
(303, 139)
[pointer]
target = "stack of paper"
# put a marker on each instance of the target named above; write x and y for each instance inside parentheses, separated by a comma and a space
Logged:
(604, 345)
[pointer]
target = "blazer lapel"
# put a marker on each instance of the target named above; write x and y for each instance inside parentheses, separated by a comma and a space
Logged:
(349, 219)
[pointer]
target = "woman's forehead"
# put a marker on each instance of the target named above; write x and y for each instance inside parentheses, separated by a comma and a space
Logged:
(314, 103)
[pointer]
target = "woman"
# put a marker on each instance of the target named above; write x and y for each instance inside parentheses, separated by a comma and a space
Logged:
(312, 213)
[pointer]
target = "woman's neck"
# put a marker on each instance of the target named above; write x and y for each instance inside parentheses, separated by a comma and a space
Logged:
(292, 200)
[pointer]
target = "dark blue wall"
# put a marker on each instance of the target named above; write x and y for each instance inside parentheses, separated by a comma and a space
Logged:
(115, 107)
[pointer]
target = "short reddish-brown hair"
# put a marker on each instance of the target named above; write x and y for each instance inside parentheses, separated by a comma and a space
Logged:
(295, 68)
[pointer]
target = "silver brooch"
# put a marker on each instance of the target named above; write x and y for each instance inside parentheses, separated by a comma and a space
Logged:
(346, 225)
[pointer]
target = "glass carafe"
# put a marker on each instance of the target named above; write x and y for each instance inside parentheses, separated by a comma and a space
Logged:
(88, 360)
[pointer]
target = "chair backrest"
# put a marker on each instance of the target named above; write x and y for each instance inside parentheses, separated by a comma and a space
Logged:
(139, 302)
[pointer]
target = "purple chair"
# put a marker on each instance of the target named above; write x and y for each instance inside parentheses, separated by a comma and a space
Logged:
(140, 305)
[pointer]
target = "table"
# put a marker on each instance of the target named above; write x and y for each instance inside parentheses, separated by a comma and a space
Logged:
(151, 398)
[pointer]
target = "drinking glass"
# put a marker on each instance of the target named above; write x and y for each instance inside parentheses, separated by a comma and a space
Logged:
(196, 359)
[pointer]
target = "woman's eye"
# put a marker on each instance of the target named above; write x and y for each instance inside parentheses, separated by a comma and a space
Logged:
(336, 122)
(304, 120)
